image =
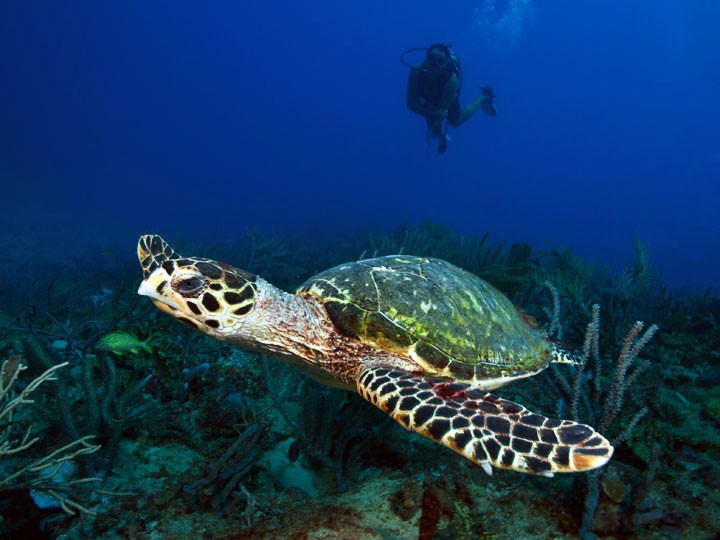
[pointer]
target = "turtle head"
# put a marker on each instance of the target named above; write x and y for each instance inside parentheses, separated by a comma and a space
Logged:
(212, 297)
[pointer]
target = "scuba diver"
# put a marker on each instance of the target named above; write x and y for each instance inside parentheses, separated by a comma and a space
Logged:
(434, 90)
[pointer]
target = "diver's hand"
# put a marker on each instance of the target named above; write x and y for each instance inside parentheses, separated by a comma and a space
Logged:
(486, 101)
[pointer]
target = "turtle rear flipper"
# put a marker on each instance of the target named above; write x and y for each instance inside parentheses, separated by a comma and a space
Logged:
(484, 428)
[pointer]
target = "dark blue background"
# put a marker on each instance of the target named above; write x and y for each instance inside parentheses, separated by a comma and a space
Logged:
(202, 118)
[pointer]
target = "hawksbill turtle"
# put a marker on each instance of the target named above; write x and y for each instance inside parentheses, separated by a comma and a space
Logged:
(419, 338)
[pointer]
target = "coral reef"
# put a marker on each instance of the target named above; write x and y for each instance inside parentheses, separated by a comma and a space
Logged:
(197, 439)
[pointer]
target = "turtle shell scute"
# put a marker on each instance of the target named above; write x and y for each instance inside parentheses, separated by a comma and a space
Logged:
(448, 319)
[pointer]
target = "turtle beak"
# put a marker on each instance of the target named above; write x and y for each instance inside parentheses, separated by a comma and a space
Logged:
(153, 286)
(152, 252)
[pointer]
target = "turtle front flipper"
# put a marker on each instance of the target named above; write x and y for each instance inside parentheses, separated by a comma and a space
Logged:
(152, 251)
(484, 428)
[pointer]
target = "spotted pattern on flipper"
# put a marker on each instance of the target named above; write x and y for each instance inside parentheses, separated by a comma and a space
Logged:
(560, 355)
(485, 428)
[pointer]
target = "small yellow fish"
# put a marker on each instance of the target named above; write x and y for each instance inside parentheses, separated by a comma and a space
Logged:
(120, 342)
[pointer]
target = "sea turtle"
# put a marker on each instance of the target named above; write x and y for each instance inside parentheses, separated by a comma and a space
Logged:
(417, 337)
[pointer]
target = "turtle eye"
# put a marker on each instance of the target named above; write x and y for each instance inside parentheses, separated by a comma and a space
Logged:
(190, 285)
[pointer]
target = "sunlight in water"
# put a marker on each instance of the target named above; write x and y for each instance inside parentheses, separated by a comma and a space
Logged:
(502, 21)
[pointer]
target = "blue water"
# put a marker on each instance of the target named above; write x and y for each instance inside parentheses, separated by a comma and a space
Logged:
(202, 119)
